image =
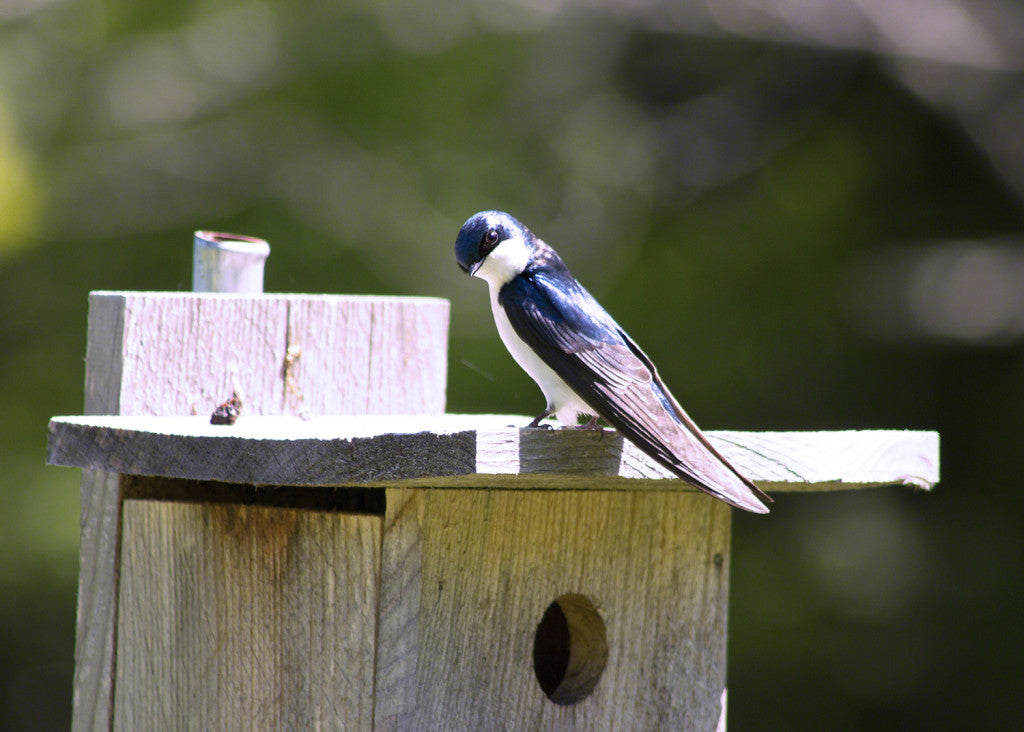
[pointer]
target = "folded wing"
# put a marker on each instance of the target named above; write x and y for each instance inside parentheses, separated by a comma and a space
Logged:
(577, 338)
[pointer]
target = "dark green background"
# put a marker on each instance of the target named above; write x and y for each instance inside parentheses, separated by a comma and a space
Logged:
(802, 235)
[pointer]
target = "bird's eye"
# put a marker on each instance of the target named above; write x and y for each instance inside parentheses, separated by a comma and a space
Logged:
(488, 243)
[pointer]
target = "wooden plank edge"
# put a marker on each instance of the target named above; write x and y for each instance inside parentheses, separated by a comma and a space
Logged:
(446, 451)
(277, 296)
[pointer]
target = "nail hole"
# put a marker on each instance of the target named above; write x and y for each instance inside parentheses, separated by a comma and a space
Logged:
(570, 649)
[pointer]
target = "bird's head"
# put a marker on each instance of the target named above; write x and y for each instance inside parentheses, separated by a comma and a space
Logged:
(494, 246)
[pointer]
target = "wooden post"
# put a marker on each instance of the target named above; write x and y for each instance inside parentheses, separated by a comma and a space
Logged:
(396, 568)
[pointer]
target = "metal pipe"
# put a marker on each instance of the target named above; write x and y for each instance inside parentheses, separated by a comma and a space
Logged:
(228, 262)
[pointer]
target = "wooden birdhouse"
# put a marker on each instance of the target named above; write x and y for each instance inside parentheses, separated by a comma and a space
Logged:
(346, 555)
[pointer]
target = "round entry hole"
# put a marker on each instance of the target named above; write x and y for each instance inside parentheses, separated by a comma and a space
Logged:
(570, 649)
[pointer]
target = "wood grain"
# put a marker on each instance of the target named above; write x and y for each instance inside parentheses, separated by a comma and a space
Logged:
(472, 451)
(245, 617)
(456, 650)
(398, 623)
(396, 363)
(184, 353)
(99, 537)
(96, 616)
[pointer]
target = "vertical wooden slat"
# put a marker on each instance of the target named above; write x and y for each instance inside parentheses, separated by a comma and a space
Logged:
(97, 601)
(99, 532)
(490, 562)
(398, 630)
(245, 617)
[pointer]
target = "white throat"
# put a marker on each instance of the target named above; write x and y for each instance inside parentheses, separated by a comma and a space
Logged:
(506, 261)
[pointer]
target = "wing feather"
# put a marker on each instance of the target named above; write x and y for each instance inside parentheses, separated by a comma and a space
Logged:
(577, 338)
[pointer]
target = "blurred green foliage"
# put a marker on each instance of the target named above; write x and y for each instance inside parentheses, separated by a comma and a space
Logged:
(716, 193)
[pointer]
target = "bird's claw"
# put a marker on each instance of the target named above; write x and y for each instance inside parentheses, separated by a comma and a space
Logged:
(536, 421)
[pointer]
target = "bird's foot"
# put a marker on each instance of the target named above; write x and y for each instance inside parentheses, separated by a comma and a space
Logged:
(536, 422)
(591, 426)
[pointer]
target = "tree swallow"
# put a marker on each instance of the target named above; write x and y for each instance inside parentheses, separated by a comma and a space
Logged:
(583, 361)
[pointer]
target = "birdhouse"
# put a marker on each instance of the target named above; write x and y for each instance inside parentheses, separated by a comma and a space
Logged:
(346, 555)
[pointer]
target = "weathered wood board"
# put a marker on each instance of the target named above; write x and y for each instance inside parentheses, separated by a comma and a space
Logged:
(245, 617)
(467, 576)
(161, 353)
(471, 451)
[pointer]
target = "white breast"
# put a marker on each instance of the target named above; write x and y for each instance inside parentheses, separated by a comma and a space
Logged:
(560, 397)
(508, 260)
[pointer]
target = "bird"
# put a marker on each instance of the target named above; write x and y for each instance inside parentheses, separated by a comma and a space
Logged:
(583, 361)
